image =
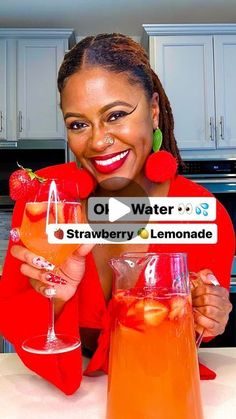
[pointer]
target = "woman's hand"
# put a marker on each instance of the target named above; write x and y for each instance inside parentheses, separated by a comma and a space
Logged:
(65, 279)
(211, 305)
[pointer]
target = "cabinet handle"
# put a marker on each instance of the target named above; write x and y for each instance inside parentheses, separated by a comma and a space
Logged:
(20, 122)
(8, 144)
(222, 128)
(212, 129)
(1, 122)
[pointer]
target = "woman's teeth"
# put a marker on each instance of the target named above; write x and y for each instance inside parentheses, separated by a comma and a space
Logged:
(112, 160)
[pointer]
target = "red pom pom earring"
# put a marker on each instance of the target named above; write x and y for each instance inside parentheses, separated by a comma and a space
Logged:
(160, 165)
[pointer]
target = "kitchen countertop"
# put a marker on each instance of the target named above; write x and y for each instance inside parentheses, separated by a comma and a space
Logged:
(24, 395)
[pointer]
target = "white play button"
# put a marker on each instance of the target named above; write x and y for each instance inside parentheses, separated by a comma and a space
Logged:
(117, 209)
(116, 213)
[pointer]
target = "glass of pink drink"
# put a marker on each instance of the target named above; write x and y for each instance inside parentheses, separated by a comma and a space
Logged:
(56, 202)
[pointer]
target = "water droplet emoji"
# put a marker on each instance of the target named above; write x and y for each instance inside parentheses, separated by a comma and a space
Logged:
(204, 205)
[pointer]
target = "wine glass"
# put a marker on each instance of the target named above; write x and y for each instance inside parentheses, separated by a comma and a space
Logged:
(56, 202)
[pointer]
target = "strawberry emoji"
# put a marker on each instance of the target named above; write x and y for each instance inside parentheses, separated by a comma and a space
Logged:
(24, 183)
(59, 234)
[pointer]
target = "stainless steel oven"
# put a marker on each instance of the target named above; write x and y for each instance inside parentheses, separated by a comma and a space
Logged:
(219, 177)
(33, 158)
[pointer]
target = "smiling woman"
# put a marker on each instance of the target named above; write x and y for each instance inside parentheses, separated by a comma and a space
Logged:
(110, 79)
(129, 122)
(117, 117)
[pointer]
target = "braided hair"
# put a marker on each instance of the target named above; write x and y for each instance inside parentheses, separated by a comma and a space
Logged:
(121, 54)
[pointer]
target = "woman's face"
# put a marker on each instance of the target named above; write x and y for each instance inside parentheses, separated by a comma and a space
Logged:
(97, 104)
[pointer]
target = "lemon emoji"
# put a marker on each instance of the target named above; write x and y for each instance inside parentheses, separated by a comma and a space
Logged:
(143, 233)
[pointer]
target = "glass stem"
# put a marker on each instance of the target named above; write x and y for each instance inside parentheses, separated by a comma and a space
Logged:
(51, 336)
(199, 338)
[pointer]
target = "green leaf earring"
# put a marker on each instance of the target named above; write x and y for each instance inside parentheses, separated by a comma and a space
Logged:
(157, 140)
(160, 165)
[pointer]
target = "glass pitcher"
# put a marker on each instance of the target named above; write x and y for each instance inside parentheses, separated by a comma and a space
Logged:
(153, 367)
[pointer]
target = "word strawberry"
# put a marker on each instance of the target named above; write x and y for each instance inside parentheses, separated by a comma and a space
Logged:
(24, 183)
(59, 234)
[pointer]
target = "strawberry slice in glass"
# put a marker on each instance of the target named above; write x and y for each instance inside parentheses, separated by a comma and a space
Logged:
(132, 316)
(154, 312)
(36, 211)
(177, 308)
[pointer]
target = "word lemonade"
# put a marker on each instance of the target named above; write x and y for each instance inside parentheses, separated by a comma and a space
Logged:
(152, 343)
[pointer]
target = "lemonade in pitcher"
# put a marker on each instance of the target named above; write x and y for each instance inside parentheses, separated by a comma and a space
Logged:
(153, 367)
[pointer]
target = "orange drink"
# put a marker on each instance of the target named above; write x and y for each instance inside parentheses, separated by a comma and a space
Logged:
(153, 368)
(33, 228)
(55, 202)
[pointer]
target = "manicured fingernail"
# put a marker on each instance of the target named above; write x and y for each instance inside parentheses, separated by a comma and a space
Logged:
(50, 292)
(15, 235)
(42, 263)
(55, 279)
(213, 279)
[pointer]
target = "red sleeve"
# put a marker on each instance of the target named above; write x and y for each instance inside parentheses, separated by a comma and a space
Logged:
(25, 313)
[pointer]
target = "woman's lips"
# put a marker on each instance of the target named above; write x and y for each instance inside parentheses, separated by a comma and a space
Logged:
(110, 162)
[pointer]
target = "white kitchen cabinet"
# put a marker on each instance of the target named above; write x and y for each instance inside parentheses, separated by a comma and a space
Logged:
(225, 87)
(28, 75)
(3, 59)
(197, 69)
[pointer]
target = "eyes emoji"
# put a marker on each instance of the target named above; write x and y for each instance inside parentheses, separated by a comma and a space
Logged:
(189, 208)
(182, 208)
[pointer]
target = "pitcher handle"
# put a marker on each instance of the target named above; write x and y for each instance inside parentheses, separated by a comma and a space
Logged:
(195, 281)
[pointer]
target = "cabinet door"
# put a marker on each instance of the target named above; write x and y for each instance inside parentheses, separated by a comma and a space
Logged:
(185, 67)
(39, 115)
(225, 85)
(3, 83)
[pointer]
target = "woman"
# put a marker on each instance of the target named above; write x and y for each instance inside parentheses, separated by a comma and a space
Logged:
(112, 103)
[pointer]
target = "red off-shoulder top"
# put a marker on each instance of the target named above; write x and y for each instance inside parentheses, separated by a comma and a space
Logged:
(24, 312)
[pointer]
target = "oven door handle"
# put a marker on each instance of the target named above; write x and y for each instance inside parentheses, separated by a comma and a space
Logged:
(219, 185)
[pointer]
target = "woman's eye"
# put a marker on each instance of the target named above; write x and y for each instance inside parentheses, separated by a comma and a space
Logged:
(116, 115)
(189, 208)
(76, 125)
